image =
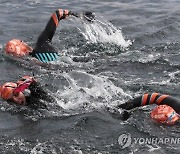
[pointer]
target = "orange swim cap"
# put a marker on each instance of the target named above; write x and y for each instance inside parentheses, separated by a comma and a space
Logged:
(164, 114)
(6, 90)
(17, 48)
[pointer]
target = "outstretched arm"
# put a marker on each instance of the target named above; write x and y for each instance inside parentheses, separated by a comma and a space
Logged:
(147, 99)
(48, 33)
(136, 102)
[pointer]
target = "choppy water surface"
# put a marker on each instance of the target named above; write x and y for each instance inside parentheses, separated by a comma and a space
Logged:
(133, 48)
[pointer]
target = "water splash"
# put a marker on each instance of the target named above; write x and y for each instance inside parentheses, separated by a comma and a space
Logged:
(105, 32)
(88, 91)
(1, 47)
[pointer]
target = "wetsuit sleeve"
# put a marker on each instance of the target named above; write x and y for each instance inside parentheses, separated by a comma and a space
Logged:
(154, 98)
(49, 31)
(170, 101)
(145, 99)
(136, 102)
(44, 51)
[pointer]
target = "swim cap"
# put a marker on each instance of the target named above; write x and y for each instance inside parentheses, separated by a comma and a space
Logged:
(6, 90)
(17, 48)
(164, 114)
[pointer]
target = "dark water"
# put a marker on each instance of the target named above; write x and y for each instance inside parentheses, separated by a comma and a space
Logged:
(134, 48)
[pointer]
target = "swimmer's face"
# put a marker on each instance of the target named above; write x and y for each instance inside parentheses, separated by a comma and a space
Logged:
(18, 98)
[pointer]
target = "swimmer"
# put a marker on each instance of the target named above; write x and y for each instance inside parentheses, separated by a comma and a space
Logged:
(166, 112)
(44, 51)
(26, 91)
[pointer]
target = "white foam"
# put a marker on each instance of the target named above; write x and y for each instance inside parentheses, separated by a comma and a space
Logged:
(88, 91)
(1, 47)
(105, 32)
(149, 58)
(40, 148)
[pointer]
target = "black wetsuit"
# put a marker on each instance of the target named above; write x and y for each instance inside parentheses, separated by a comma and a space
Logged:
(153, 98)
(44, 50)
(37, 96)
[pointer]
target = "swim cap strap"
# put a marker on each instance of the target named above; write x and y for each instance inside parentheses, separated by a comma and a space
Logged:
(24, 85)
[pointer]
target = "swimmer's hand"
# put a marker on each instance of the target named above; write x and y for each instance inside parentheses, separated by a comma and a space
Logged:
(87, 16)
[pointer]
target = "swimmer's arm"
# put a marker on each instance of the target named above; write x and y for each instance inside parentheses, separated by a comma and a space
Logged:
(52, 24)
(127, 105)
(131, 104)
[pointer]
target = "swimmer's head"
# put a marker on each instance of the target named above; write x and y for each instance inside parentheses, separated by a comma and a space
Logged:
(7, 93)
(164, 114)
(17, 48)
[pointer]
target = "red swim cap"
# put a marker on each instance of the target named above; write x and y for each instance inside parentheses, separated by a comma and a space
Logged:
(17, 48)
(164, 114)
(6, 90)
